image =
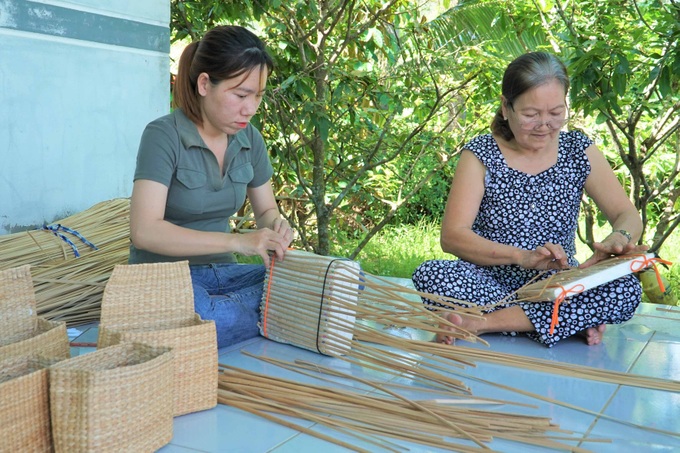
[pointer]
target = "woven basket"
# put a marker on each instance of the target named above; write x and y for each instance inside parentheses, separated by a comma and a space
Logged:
(24, 405)
(114, 399)
(22, 332)
(154, 304)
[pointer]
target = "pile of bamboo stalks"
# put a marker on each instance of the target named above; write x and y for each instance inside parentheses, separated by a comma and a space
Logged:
(68, 274)
(454, 422)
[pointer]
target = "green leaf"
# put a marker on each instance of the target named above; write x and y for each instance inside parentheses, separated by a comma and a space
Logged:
(619, 82)
(665, 87)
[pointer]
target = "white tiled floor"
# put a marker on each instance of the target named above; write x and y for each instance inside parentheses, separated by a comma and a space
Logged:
(647, 345)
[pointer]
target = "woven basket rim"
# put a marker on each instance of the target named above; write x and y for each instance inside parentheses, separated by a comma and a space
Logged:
(147, 294)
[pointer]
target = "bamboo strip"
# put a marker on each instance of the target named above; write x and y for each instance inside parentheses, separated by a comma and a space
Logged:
(566, 369)
(392, 416)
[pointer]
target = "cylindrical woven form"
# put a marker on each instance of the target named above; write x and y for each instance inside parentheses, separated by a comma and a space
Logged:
(310, 301)
(24, 406)
(154, 304)
(22, 332)
(113, 400)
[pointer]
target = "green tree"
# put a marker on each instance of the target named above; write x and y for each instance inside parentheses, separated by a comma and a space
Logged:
(358, 113)
(625, 63)
(371, 101)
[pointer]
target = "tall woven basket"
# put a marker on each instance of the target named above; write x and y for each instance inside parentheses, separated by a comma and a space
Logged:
(22, 332)
(24, 406)
(113, 400)
(154, 304)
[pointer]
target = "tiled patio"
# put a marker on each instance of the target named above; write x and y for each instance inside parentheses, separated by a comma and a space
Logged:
(648, 345)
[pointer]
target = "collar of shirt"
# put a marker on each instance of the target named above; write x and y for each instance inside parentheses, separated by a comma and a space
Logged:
(189, 136)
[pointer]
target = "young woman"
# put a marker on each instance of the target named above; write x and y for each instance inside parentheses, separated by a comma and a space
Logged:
(195, 168)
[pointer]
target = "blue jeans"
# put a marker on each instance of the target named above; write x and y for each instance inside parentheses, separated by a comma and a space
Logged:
(230, 295)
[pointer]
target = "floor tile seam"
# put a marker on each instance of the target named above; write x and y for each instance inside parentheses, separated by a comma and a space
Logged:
(192, 449)
(642, 351)
(598, 416)
(289, 439)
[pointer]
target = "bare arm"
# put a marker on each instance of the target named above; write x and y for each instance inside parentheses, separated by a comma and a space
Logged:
(458, 238)
(149, 231)
(604, 188)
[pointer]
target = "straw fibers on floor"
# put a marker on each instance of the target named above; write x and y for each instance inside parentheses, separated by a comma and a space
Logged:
(316, 312)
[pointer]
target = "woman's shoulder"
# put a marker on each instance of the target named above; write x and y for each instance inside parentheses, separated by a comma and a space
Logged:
(481, 142)
(485, 148)
(575, 139)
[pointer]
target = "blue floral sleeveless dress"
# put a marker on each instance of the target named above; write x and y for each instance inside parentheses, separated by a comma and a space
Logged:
(526, 211)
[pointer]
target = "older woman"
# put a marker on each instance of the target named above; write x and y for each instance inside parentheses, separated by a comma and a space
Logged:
(513, 210)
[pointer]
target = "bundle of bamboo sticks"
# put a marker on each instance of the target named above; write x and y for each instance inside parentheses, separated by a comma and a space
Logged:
(376, 416)
(70, 287)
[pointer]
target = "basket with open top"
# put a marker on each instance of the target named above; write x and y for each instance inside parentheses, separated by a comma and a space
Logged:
(153, 304)
(22, 331)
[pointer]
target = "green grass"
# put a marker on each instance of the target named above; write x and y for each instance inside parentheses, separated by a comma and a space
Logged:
(397, 250)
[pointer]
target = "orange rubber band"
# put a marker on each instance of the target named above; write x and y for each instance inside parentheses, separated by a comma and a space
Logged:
(558, 300)
(646, 262)
(266, 297)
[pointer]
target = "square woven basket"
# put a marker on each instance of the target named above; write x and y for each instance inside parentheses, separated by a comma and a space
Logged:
(113, 400)
(22, 331)
(24, 405)
(154, 304)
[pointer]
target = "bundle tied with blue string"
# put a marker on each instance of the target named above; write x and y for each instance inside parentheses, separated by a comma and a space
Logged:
(72, 258)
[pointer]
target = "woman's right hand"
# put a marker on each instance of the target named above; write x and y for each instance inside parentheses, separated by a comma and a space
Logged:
(261, 242)
(547, 256)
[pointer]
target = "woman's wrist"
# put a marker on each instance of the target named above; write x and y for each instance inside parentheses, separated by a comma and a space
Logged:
(623, 233)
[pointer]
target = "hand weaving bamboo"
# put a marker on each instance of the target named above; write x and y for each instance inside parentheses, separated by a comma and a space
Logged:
(562, 285)
(573, 281)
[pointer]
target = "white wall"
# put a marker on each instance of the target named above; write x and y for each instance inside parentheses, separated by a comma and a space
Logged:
(79, 80)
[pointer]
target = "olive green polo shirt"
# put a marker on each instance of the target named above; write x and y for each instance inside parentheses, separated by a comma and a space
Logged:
(173, 153)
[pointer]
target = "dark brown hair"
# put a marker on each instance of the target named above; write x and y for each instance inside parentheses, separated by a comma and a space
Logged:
(525, 72)
(225, 52)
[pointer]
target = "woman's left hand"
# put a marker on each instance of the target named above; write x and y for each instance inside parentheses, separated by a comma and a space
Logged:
(612, 245)
(282, 227)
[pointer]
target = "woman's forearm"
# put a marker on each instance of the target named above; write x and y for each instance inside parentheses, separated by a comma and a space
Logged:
(469, 246)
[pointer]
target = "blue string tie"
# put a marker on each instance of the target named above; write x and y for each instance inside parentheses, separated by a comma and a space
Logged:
(55, 229)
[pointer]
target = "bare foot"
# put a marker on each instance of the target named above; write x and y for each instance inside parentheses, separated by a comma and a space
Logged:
(593, 335)
(453, 318)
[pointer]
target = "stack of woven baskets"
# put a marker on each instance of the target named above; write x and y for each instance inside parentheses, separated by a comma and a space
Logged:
(154, 304)
(28, 345)
(155, 359)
